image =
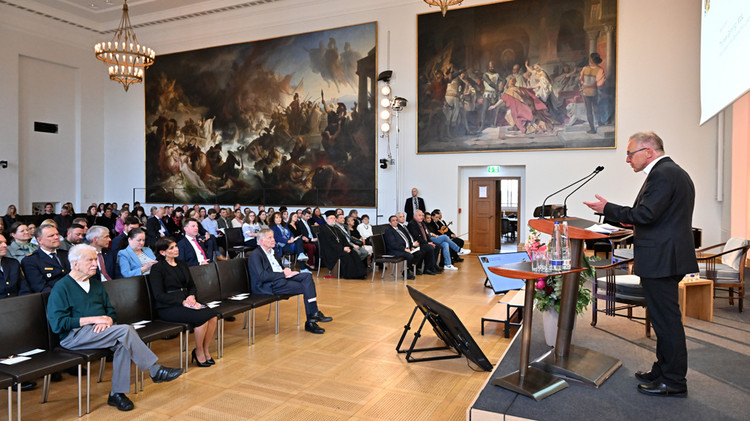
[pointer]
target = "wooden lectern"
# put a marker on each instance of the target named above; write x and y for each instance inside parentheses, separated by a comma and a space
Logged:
(538, 380)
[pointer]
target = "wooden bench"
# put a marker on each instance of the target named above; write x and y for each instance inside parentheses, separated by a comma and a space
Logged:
(506, 311)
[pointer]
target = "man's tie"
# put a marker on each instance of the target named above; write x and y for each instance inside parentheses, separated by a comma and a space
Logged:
(403, 237)
(102, 267)
(200, 248)
(415, 203)
(424, 234)
(54, 256)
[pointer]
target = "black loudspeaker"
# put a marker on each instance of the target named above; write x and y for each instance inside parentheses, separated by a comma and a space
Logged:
(447, 327)
(45, 127)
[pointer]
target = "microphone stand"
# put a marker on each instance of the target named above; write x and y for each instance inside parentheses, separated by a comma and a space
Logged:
(568, 186)
(590, 177)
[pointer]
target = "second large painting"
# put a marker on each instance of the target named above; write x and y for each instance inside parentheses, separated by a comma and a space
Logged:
(518, 75)
(284, 121)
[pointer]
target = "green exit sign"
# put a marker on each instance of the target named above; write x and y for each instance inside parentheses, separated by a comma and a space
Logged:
(493, 169)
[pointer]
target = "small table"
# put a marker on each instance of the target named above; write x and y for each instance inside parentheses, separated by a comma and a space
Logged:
(696, 298)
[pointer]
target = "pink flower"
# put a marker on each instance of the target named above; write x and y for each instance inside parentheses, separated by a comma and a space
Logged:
(540, 284)
(543, 248)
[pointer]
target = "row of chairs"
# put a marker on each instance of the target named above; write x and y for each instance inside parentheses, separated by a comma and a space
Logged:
(24, 326)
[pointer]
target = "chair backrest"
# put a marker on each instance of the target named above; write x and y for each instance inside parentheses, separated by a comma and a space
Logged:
(735, 258)
(206, 280)
(23, 324)
(130, 298)
(234, 237)
(379, 229)
(378, 246)
(233, 277)
(315, 229)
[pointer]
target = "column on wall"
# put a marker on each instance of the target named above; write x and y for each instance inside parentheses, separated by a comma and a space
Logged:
(740, 227)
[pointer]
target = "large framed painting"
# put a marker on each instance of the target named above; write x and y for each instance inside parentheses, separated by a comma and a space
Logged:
(284, 121)
(517, 75)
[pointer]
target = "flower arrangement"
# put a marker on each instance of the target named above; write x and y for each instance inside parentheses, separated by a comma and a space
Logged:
(548, 291)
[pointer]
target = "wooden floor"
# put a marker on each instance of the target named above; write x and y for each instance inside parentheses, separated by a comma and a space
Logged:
(350, 372)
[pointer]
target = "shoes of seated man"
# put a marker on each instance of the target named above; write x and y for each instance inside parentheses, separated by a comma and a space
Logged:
(313, 327)
(302, 257)
(320, 317)
(166, 374)
(73, 371)
(305, 270)
(428, 272)
(458, 260)
(120, 401)
(464, 252)
(25, 386)
(450, 267)
(57, 377)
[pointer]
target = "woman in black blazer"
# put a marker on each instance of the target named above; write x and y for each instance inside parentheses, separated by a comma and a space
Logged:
(174, 293)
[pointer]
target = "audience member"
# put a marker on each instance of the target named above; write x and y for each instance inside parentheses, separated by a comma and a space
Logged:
(239, 218)
(106, 220)
(195, 249)
(317, 217)
(430, 266)
(413, 204)
(10, 216)
(268, 277)
(46, 265)
(121, 241)
(79, 311)
(308, 236)
(21, 245)
(250, 230)
(74, 236)
(174, 295)
(98, 238)
(262, 219)
(222, 221)
(442, 228)
(398, 244)
(425, 238)
(82, 222)
(63, 220)
(354, 243)
(298, 231)
(140, 213)
(135, 259)
(286, 242)
(120, 221)
(91, 215)
(365, 229)
(155, 226)
(334, 247)
(12, 281)
(210, 224)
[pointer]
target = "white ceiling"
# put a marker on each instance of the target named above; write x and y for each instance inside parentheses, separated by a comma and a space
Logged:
(104, 15)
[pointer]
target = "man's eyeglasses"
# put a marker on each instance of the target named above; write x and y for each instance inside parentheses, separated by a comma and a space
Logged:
(630, 154)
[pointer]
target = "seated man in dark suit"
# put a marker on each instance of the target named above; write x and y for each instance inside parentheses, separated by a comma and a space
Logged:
(333, 247)
(106, 258)
(79, 311)
(430, 262)
(155, 226)
(397, 244)
(268, 277)
(194, 249)
(63, 220)
(74, 236)
(46, 265)
(121, 241)
(12, 280)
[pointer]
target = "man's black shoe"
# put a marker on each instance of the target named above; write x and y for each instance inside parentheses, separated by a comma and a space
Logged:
(410, 275)
(313, 327)
(120, 401)
(25, 386)
(428, 272)
(661, 389)
(319, 317)
(73, 371)
(166, 374)
(419, 271)
(458, 259)
(438, 270)
(646, 376)
(57, 377)
(230, 318)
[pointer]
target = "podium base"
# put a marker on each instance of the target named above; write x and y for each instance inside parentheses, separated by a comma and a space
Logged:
(581, 364)
(537, 384)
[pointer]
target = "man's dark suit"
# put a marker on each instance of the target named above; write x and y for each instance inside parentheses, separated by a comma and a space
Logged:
(331, 242)
(42, 271)
(110, 263)
(409, 207)
(12, 281)
(187, 252)
(263, 280)
(428, 251)
(662, 217)
(395, 245)
(153, 226)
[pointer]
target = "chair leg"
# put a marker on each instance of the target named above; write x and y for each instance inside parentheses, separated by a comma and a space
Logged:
(10, 403)
(45, 388)
(184, 346)
(79, 387)
(247, 323)
(252, 328)
(594, 311)
(135, 379)
(18, 401)
(269, 314)
(276, 331)
(88, 387)
(102, 362)
(298, 308)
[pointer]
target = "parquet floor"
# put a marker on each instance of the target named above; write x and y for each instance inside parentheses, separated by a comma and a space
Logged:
(350, 372)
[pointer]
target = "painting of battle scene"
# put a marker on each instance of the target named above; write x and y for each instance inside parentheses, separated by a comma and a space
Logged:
(517, 75)
(286, 121)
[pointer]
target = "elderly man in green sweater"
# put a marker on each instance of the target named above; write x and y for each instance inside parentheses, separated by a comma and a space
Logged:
(79, 311)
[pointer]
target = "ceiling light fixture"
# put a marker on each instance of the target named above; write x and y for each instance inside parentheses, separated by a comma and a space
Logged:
(443, 4)
(126, 57)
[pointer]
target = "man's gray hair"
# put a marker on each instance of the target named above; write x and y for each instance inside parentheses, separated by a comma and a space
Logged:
(650, 139)
(76, 252)
(263, 232)
(96, 231)
(399, 214)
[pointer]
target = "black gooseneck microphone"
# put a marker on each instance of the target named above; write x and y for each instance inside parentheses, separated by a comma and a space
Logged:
(591, 177)
(595, 172)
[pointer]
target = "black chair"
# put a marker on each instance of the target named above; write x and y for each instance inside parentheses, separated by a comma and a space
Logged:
(131, 300)
(379, 256)
(379, 229)
(88, 356)
(234, 280)
(6, 381)
(618, 286)
(235, 242)
(24, 327)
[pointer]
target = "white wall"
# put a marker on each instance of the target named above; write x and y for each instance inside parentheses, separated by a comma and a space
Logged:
(657, 90)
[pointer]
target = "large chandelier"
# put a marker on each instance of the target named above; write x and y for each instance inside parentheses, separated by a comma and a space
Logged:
(443, 4)
(126, 57)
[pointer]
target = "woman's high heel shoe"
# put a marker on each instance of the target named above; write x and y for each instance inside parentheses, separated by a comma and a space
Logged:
(198, 363)
(211, 361)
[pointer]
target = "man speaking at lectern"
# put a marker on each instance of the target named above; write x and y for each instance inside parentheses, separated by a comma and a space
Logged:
(663, 249)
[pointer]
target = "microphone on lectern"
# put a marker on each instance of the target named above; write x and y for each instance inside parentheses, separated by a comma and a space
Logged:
(596, 171)
(591, 177)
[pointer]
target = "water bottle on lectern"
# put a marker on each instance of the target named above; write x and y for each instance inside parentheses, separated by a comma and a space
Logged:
(565, 246)
(554, 249)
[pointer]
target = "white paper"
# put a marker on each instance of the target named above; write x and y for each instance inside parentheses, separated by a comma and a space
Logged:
(482, 192)
(603, 228)
(136, 327)
(142, 322)
(15, 360)
(212, 305)
(30, 353)
(238, 298)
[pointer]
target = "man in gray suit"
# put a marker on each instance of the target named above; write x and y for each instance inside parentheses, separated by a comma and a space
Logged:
(663, 253)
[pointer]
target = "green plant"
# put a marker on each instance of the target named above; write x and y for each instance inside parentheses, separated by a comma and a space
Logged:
(548, 291)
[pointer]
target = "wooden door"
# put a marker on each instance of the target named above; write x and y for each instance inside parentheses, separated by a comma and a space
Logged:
(482, 220)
